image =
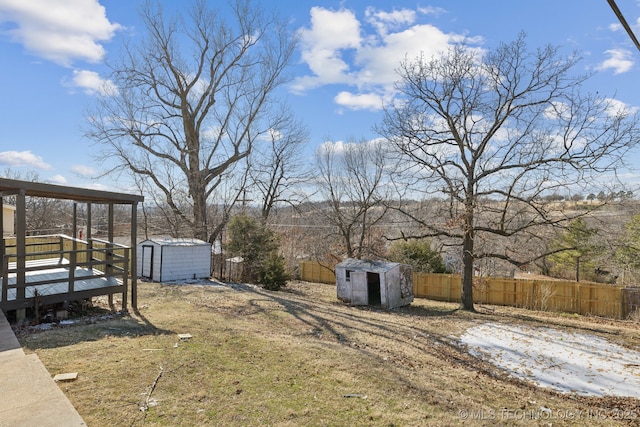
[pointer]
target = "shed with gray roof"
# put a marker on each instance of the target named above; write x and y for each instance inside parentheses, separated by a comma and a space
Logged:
(376, 283)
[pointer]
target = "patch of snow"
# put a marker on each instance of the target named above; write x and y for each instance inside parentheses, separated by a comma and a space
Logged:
(565, 361)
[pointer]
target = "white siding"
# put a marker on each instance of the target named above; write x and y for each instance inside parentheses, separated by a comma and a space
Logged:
(157, 263)
(8, 220)
(185, 262)
(175, 260)
(391, 293)
(359, 290)
(343, 286)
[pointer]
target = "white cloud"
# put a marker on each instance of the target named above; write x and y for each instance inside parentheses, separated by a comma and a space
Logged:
(83, 170)
(612, 108)
(558, 110)
(336, 147)
(619, 60)
(23, 158)
(101, 187)
(331, 32)
(384, 21)
(431, 10)
(91, 83)
(363, 101)
(57, 179)
(61, 31)
(616, 107)
(615, 27)
(339, 147)
(337, 50)
(379, 61)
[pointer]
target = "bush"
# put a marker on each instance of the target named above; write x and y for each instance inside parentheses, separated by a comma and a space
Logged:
(258, 246)
(273, 274)
(419, 255)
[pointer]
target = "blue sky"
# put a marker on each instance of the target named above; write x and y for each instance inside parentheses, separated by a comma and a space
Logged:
(52, 54)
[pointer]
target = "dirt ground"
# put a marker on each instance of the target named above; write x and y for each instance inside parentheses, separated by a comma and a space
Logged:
(301, 357)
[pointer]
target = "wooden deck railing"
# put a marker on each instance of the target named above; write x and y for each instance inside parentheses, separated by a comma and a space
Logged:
(103, 268)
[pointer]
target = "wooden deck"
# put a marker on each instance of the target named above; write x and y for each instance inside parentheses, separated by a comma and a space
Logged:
(57, 277)
(59, 269)
(116, 263)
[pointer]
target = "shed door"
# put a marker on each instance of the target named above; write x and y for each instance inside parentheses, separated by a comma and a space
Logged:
(373, 289)
(147, 261)
(359, 288)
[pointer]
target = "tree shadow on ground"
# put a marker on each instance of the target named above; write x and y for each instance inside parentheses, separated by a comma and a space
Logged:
(396, 333)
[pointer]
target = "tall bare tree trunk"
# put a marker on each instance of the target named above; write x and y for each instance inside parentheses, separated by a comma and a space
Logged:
(200, 229)
(467, 260)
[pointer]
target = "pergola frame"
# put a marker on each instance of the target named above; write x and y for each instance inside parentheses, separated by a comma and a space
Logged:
(23, 189)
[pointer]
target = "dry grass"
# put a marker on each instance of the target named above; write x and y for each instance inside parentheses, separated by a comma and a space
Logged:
(300, 357)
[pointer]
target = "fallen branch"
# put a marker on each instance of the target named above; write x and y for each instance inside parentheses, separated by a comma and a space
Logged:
(153, 387)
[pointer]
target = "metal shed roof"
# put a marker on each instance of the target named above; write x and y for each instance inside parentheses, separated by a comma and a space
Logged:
(368, 265)
(167, 241)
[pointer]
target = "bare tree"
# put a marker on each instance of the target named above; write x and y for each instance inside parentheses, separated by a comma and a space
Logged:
(352, 182)
(277, 170)
(193, 97)
(43, 215)
(495, 133)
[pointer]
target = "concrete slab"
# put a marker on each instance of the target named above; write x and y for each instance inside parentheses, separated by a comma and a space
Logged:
(28, 394)
(8, 340)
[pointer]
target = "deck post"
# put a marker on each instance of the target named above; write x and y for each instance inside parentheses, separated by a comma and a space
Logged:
(73, 259)
(3, 272)
(89, 253)
(21, 233)
(5, 278)
(134, 257)
(73, 262)
(125, 277)
(74, 227)
(108, 268)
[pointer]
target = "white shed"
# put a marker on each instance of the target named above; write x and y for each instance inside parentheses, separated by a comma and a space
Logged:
(387, 284)
(164, 260)
(8, 220)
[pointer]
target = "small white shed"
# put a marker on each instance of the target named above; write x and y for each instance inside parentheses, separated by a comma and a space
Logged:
(383, 283)
(164, 260)
(8, 219)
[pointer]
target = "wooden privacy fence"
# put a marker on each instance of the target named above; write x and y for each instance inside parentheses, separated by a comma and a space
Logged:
(552, 295)
(312, 271)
